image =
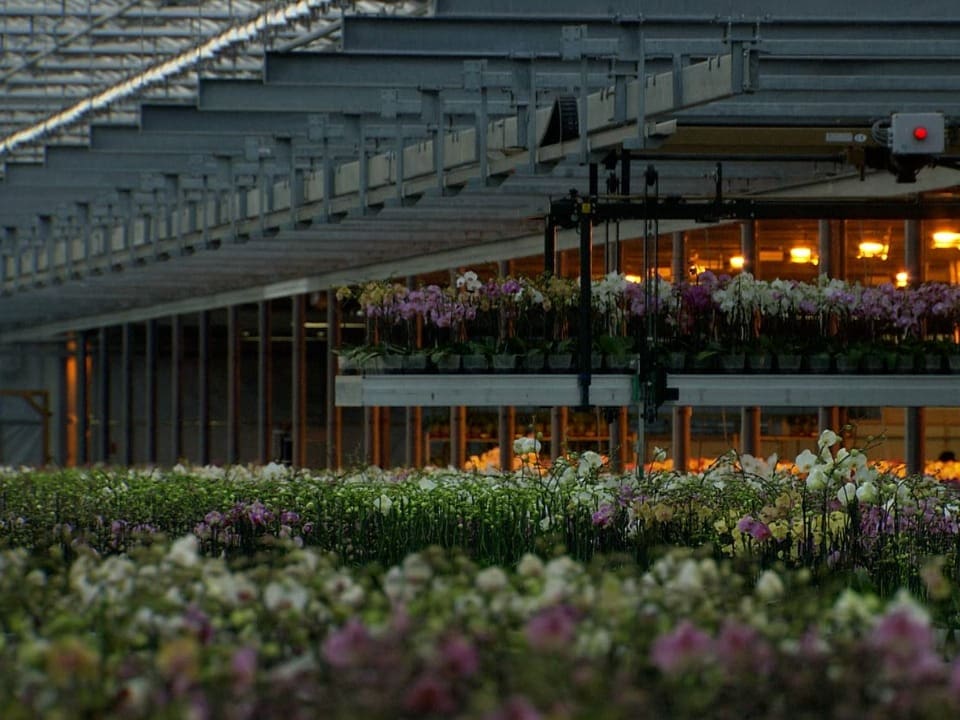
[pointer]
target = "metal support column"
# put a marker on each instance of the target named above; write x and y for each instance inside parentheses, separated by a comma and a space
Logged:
(750, 416)
(613, 443)
(413, 416)
(61, 454)
(748, 245)
(682, 415)
(233, 385)
(458, 436)
(550, 248)
(83, 409)
(298, 408)
(681, 437)
(825, 248)
(203, 387)
(678, 257)
(585, 339)
(828, 418)
(126, 393)
(150, 389)
(914, 436)
(176, 389)
(750, 431)
(506, 415)
(558, 431)
(264, 383)
(506, 423)
(103, 395)
(333, 413)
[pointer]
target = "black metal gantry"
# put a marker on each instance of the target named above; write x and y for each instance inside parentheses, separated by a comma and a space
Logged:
(584, 211)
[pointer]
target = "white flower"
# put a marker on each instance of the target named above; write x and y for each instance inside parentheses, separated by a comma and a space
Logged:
(828, 438)
(183, 552)
(285, 595)
(530, 566)
(491, 580)
(526, 445)
(817, 479)
(383, 504)
(769, 586)
(867, 492)
(659, 454)
(847, 494)
(426, 483)
(805, 461)
(416, 570)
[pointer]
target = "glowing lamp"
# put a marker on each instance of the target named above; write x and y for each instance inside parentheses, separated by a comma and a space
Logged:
(946, 239)
(873, 249)
(737, 262)
(801, 254)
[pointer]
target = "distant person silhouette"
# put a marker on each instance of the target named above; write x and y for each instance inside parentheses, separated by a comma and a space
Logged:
(947, 456)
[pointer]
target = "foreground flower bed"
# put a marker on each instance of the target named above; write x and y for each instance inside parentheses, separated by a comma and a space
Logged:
(826, 588)
(165, 632)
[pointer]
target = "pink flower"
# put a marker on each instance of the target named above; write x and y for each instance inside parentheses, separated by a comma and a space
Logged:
(754, 528)
(459, 657)
(516, 708)
(551, 629)
(686, 645)
(243, 667)
(429, 696)
(348, 645)
(740, 647)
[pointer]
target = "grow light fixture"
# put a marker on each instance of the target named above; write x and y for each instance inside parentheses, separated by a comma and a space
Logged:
(945, 239)
(873, 249)
(801, 255)
(902, 279)
(737, 262)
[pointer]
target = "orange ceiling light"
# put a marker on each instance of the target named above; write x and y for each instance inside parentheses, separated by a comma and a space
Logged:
(946, 239)
(873, 249)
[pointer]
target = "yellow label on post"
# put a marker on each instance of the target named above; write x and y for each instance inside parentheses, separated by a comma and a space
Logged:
(585, 208)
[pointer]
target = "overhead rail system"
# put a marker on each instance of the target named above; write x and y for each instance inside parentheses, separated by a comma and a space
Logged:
(431, 140)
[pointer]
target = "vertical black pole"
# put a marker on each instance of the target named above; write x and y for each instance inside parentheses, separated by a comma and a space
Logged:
(586, 276)
(299, 409)
(550, 247)
(150, 386)
(103, 394)
(203, 387)
(126, 390)
(83, 424)
(333, 414)
(264, 382)
(233, 385)
(176, 389)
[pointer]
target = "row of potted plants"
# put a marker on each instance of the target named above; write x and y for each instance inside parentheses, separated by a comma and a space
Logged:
(504, 324)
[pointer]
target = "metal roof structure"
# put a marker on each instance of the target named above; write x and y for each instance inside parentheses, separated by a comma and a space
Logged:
(418, 143)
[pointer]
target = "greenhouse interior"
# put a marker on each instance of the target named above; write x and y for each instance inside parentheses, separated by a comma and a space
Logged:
(445, 286)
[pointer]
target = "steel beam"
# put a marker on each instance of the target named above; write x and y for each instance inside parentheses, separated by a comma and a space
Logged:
(333, 417)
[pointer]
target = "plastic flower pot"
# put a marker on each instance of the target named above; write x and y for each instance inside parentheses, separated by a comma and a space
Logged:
(475, 363)
(789, 362)
(504, 362)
